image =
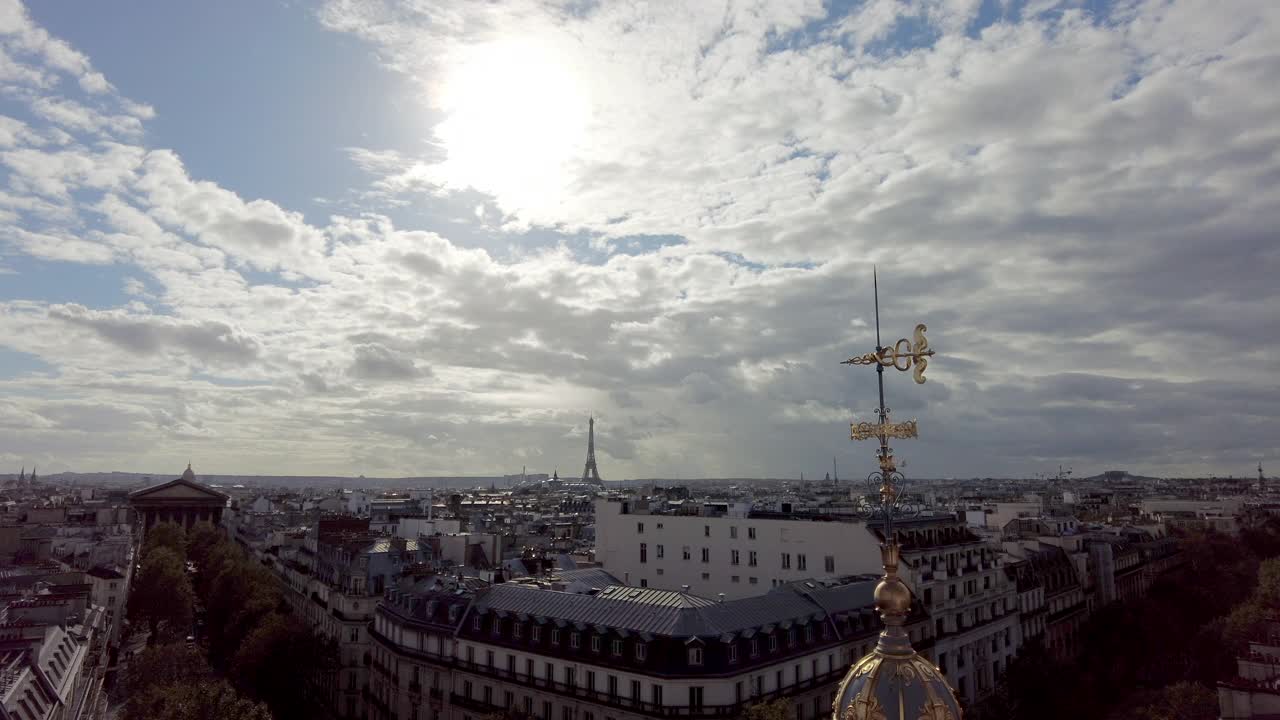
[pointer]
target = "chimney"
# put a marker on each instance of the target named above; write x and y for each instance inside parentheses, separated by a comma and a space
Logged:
(720, 597)
(684, 588)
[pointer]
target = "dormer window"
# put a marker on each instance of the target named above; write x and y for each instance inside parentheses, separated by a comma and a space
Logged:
(755, 647)
(791, 637)
(497, 627)
(475, 623)
(733, 652)
(642, 651)
(808, 633)
(517, 630)
(595, 643)
(536, 634)
(575, 640)
(773, 643)
(617, 648)
(555, 637)
(695, 656)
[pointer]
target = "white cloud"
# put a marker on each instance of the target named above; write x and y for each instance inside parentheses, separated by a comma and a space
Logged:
(1087, 200)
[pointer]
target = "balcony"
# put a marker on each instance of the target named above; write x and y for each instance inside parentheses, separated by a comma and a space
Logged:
(635, 705)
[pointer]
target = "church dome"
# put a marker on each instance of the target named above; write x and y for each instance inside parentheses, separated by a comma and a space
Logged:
(893, 681)
(188, 475)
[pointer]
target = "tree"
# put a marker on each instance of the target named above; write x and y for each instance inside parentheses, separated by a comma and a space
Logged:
(239, 598)
(201, 542)
(1180, 701)
(162, 594)
(773, 710)
(166, 535)
(205, 700)
(159, 666)
(279, 663)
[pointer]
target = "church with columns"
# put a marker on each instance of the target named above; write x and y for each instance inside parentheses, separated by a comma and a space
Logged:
(183, 501)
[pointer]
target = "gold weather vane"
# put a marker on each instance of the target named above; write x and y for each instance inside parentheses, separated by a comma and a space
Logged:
(904, 355)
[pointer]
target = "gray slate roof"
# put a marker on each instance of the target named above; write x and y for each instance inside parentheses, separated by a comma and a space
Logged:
(676, 614)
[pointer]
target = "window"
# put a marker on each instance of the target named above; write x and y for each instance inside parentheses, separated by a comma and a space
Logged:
(773, 642)
(466, 688)
(595, 643)
(475, 623)
(751, 558)
(734, 578)
(661, 552)
(801, 562)
(511, 665)
(536, 634)
(517, 629)
(734, 558)
(488, 658)
(706, 555)
(706, 576)
(685, 550)
(733, 652)
(829, 562)
(733, 532)
(497, 626)
(613, 686)
(644, 552)
(549, 672)
(591, 680)
(951, 591)
(508, 699)
(808, 637)
(753, 581)
(555, 636)
(640, 528)
(786, 561)
(928, 596)
(635, 690)
(695, 656)
(546, 710)
(659, 571)
(570, 676)
(656, 693)
(986, 583)
(566, 713)
(942, 662)
(659, 526)
(575, 640)
(617, 648)
(695, 698)
(751, 533)
(642, 651)
(791, 637)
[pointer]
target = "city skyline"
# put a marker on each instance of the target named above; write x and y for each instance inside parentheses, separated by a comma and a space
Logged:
(361, 239)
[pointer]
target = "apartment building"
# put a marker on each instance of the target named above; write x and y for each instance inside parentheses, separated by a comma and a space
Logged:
(960, 580)
(624, 652)
(715, 552)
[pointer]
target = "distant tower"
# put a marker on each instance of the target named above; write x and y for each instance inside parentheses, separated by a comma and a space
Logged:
(590, 474)
(1262, 479)
(32, 479)
(22, 477)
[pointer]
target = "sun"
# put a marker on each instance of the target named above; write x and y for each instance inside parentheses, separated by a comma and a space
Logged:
(516, 110)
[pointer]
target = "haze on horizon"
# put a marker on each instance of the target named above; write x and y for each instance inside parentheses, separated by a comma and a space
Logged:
(360, 238)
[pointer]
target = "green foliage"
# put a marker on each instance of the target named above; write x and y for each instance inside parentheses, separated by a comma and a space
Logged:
(204, 700)
(773, 710)
(165, 535)
(272, 663)
(1146, 659)
(1180, 701)
(161, 595)
(241, 596)
(201, 542)
(174, 682)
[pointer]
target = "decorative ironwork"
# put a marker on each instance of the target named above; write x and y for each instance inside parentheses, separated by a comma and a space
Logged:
(903, 355)
(867, 430)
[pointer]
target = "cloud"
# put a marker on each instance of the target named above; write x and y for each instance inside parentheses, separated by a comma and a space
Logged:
(209, 341)
(375, 362)
(1076, 203)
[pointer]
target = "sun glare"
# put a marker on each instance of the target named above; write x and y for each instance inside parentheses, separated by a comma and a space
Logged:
(515, 111)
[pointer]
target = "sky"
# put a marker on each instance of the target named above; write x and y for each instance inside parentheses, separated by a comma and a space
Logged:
(363, 237)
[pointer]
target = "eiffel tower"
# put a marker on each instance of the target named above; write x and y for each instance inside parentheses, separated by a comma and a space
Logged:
(589, 473)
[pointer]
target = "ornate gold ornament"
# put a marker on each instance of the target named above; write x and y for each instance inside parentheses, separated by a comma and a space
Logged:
(903, 355)
(867, 430)
(864, 707)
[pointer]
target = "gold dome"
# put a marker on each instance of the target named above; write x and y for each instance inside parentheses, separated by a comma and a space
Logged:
(893, 681)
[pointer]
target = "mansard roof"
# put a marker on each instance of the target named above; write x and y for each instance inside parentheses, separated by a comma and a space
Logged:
(670, 613)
